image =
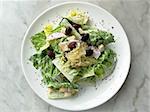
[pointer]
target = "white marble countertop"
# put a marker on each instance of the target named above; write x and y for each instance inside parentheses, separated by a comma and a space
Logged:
(15, 93)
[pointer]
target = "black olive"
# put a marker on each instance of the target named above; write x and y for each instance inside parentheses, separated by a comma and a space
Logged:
(72, 45)
(89, 52)
(68, 31)
(51, 54)
(85, 37)
(76, 26)
(72, 23)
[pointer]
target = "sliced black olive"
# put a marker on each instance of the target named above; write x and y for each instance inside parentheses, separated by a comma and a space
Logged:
(89, 52)
(51, 54)
(72, 45)
(68, 31)
(85, 37)
(76, 26)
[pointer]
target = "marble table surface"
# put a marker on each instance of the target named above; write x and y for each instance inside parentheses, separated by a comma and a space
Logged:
(15, 93)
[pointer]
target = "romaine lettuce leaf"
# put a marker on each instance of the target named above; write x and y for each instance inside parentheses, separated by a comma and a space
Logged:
(88, 81)
(84, 73)
(106, 63)
(44, 63)
(98, 37)
(38, 40)
(87, 72)
(53, 45)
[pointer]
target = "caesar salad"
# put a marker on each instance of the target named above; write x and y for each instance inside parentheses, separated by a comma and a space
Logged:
(72, 53)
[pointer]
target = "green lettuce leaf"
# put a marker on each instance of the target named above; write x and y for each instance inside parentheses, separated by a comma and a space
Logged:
(106, 63)
(88, 81)
(38, 40)
(54, 45)
(44, 63)
(86, 72)
(98, 37)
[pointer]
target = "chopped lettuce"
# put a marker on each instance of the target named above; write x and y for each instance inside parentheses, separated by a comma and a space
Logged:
(106, 63)
(99, 70)
(88, 81)
(48, 70)
(36, 60)
(52, 76)
(84, 73)
(87, 72)
(98, 37)
(44, 46)
(38, 40)
(54, 45)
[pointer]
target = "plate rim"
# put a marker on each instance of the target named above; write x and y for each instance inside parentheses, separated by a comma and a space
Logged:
(41, 14)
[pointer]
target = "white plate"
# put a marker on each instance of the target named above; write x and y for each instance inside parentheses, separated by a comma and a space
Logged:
(90, 96)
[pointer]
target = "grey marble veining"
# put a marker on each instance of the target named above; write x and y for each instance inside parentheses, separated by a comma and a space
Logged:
(15, 93)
